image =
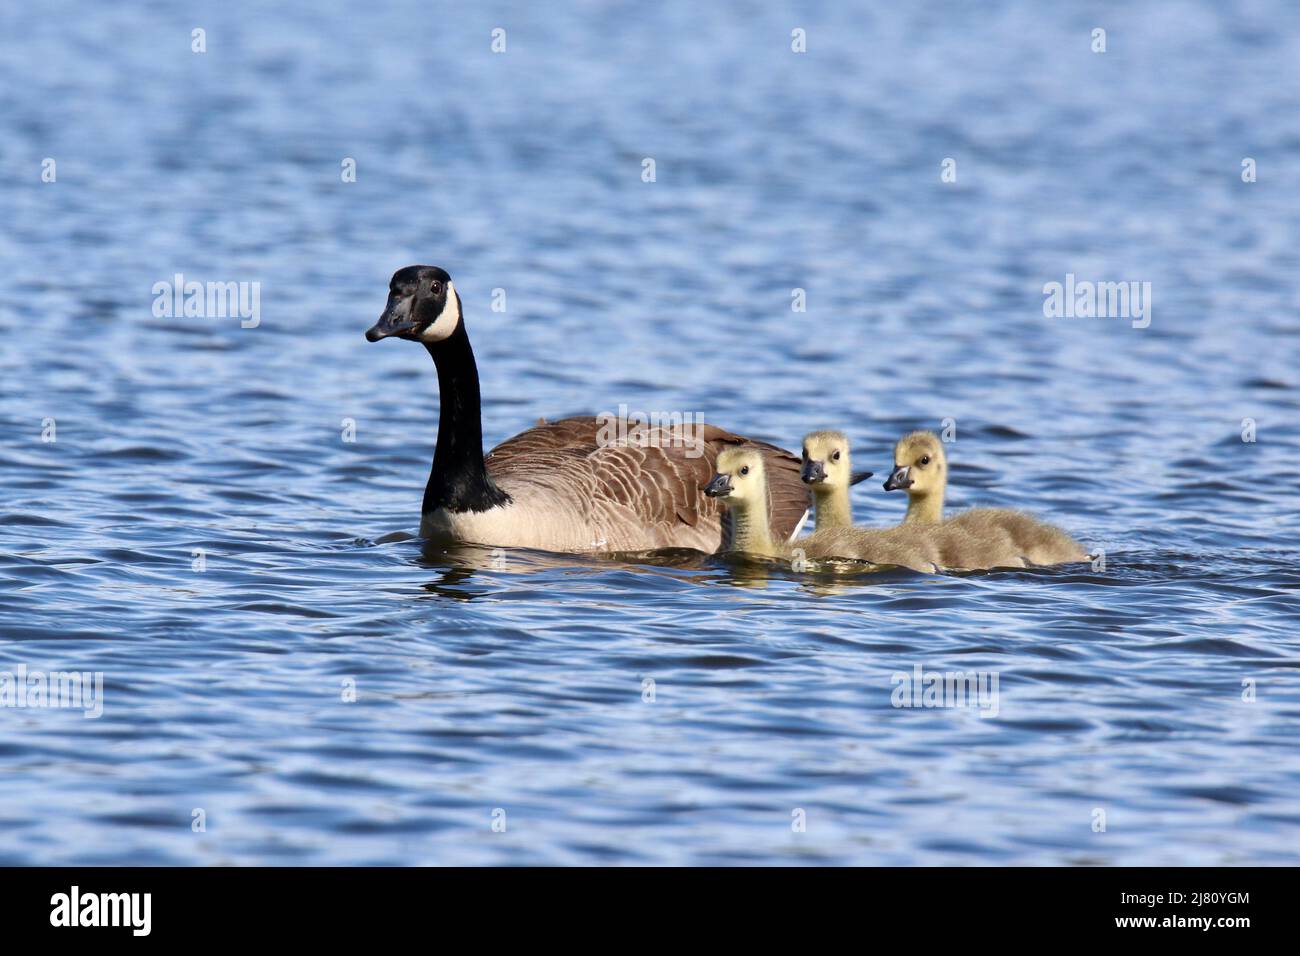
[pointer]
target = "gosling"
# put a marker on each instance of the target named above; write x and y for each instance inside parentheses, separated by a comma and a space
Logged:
(741, 484)
(829, 473)
(827, 470)
(921, 468)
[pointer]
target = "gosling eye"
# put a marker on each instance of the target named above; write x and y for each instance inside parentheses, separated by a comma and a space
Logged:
(835, 456)
(744, 469)
(925, 459)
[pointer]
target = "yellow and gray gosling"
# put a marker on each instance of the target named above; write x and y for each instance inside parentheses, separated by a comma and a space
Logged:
(921, 468)
(828, 471)
(741, 484)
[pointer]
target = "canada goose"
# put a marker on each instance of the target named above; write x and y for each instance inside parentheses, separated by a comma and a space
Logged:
(563, 485)
(920, 467)
(826, 469)
(741, 483)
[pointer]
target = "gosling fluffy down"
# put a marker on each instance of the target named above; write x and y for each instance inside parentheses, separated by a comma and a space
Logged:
(827, 470)
(741, 484)
(921, 468)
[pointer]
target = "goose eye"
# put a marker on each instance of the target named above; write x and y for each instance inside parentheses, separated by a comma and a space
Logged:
(925, 459)
(835, 457)
(435, 287)
(744, 470)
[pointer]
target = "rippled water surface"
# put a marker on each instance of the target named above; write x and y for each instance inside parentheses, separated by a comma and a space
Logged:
(513, 685)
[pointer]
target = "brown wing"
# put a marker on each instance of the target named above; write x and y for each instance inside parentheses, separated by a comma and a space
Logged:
(653, 481)
(567, 434)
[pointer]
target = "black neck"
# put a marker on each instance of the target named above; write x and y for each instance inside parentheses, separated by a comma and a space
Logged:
(459, 480)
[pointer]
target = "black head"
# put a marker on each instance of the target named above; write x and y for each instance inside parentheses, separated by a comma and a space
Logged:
(423, 306)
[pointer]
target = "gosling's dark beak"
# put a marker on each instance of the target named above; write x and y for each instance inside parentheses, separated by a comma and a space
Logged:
(898, 479)
(398, 319)
(813, 472)
(719, 487)
(858, 477)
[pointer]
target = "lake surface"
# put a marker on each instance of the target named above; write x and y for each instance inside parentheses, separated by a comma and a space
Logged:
(199, 530)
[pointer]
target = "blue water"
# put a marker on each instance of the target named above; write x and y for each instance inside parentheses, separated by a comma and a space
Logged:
(515, 682)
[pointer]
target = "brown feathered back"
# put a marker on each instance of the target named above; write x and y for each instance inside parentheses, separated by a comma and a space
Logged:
(645, 492)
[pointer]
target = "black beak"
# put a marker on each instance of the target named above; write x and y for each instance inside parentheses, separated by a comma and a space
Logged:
(898, 479)
(858, 477)
(813, 472)
(398, 319)
(719, 487)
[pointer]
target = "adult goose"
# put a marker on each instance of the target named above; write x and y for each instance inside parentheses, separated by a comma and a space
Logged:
(566, 485)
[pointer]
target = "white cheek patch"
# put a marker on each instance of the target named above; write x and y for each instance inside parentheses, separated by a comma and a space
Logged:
(447, 319)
